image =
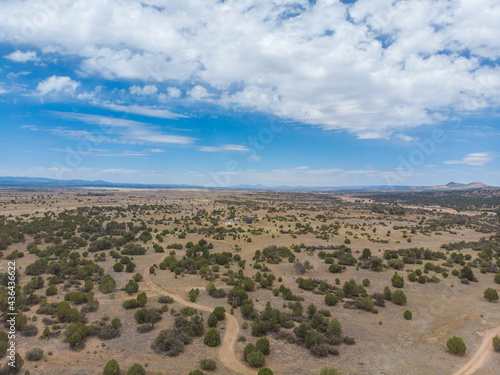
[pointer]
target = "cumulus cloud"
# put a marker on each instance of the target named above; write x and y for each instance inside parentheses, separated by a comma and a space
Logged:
(19, 56)
(56, 85)
(173, 92)
(476, 159)
(146, 90)
(198, 92)
(373, 68)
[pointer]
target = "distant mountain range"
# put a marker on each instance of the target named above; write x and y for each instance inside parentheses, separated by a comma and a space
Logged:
(458, 186)
(52, 183)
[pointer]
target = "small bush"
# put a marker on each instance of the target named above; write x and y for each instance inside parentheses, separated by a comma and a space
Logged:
(408, 315)
(456, 345)
(212, 337)
(165, 299)
(208, 364)
(220, 313)
(51, 291)
(108, 332)
(35, 354)
(29, 331)
(329, 371)
(136, 369)
(111, 368)
(263, 345)
(143, 328)
(491, 294)
(398, 297)
(212, 320)
(130, 304)
(265, 371)
(256, 359)
(116, 323)
(331, 299)
(496, 343)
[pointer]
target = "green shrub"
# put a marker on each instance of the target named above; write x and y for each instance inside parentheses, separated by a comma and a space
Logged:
(35, 354)
(142, 299)
(456, 345)
(197, 371)
(256, 359)
(212, 320)
(408, 315)
(29, 331)
(130, 304)
(263, 345)
(165, 299)
(131, 287)
(116, 323)
(397, 281)
(75, 341)
(51, 291)
(107, 284)
(329, 371)
(491, 294)
(212, 337)
(248, 349)
(265, 371)
(220, 313)
(208, 364)
(193, 294)
(144, 328)
(111, 368)
(331, 299)
(496, 343)
(118, 267)
(136, 369)
(398, 297)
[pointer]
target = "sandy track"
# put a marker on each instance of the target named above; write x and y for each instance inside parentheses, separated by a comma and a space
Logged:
(226, 352)
(481, 355)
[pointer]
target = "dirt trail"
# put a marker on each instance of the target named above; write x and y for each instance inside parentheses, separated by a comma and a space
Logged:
(226, 352)
(481, 355)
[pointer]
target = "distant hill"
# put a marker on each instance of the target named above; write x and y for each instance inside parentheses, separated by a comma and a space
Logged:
(459, 186)
(53, 183)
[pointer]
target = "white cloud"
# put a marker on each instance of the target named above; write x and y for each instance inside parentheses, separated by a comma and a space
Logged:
(12, 75)
(404, 137)
(156, 150)
(142, 110)
(57, 84)
(29, 127)
(228, 147)
(19, 56)
(198, 92)
(146, 90)
(173, 92)
(372, 68)
(476, 159)
(122, 130)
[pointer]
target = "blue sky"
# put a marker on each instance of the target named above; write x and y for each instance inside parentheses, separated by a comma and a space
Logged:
(251, 92)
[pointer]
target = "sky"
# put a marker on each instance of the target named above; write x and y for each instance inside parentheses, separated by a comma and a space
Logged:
(224, 93)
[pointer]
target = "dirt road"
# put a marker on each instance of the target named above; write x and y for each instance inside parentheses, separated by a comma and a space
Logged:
(226, 352)
(481, 355)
